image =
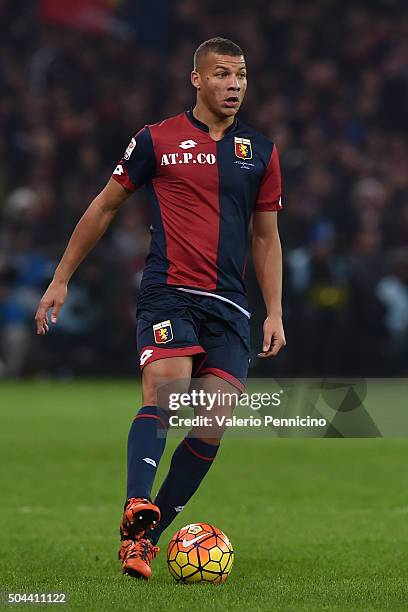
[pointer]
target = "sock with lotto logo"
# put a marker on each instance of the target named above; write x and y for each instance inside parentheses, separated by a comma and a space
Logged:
(190, 463)
(146, 442)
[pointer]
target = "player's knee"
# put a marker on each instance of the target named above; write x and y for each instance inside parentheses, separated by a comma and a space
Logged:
(165, 377)
(153, 391)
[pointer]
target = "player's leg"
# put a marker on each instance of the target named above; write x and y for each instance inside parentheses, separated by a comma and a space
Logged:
(193, 458)
(146, 443)
(166, 349)
(147, 435)
(225, 337)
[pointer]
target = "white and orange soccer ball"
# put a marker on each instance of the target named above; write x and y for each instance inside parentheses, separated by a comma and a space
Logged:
(200, 553)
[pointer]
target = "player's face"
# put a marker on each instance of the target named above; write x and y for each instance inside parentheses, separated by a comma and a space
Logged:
(222, 82)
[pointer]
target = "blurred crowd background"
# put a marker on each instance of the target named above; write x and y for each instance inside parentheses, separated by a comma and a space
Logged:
(328, 82)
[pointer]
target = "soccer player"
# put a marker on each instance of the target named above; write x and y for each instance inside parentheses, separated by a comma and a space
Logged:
(208, 174)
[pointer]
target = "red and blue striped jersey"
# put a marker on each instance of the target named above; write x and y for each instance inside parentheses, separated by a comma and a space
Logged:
(203, 194)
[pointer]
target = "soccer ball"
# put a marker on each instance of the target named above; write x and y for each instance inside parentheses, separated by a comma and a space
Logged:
(200, 553)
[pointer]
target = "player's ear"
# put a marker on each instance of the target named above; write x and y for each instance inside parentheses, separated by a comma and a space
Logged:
(195, 79)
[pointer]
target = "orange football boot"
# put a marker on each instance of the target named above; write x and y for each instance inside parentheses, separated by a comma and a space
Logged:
(139, 515)
(137, 552)
(136, 557)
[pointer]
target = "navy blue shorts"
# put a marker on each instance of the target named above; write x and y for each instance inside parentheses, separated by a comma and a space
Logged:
(173, 323)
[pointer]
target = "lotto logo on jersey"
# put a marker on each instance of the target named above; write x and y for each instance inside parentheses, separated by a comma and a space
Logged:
(163, 332)
(170, 159)
(243, 148)
(118, 170)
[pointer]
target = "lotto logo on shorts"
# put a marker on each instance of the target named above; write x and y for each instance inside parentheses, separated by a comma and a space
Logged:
(163, 332)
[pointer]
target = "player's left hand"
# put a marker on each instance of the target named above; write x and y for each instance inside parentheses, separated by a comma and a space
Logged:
(274, 337)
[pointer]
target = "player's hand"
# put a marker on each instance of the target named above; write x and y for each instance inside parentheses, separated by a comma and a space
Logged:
(54, 298)
(274, 337)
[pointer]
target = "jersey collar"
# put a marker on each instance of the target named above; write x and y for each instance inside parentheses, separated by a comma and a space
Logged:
(203, 127)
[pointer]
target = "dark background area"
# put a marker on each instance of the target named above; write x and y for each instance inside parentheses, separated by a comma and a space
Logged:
(328, 82)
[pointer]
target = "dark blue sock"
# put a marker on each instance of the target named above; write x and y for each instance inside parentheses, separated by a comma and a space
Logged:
(146, 442)
(190, 463)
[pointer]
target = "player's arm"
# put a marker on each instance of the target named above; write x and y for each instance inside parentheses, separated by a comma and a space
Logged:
(90, 228)
(267, 257)
(137, 166)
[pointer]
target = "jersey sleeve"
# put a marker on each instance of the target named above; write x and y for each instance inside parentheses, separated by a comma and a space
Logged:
(270, 189)
(138, 164)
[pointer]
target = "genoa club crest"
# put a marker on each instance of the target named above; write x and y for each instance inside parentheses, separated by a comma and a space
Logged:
(243, 148)
(163, 332)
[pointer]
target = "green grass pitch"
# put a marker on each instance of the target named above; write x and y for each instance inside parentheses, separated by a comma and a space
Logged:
(315, 524)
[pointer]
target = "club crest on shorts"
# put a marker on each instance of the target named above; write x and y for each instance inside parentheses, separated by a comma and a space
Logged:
(243, 148)
(163, 332)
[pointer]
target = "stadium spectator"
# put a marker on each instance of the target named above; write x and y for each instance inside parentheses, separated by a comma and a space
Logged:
(329, 84)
